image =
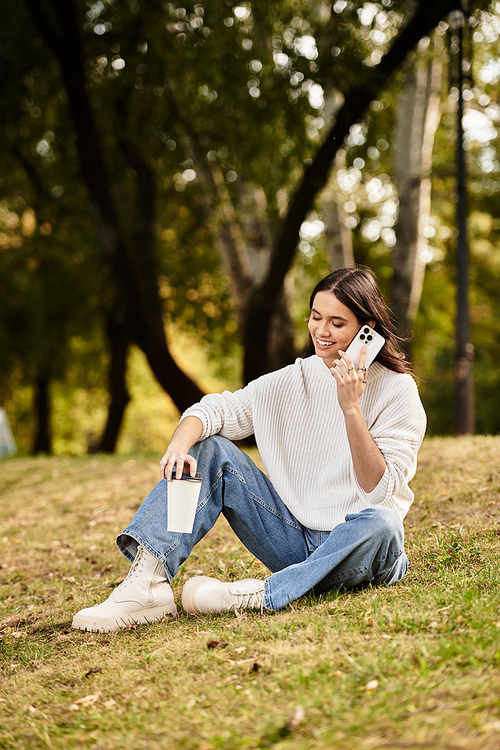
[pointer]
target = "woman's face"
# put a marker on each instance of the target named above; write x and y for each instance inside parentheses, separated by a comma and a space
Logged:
(332, 326)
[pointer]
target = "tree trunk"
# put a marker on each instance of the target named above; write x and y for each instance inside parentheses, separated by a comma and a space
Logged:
(119, 342)
(338, 236)
(133, 272)
(244, 247)
(281, 343)
(42, 410)
(416, 125)
(264, 299)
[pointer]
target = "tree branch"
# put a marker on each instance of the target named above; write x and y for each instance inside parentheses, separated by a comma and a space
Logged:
(426, 17)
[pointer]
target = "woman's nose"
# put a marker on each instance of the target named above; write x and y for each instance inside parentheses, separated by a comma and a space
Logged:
(322, 330)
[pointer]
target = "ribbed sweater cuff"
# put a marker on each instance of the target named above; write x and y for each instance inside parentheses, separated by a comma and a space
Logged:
(379, 493)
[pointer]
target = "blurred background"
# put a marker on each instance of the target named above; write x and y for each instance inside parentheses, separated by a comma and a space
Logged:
(176, 177)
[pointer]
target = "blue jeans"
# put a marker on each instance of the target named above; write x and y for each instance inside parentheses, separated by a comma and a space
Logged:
(367, 548)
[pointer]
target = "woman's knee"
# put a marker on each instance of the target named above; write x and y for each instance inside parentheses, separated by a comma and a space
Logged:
(213, 445)
(384, 522)
(217, 453)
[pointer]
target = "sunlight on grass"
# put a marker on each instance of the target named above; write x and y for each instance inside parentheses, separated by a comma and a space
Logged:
(414, 665)
(151, 416)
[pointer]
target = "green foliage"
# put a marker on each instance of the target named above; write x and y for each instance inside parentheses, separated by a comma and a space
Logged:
(249, 80)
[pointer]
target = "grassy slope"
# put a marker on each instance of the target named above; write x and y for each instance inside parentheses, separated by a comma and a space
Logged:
(413, 666)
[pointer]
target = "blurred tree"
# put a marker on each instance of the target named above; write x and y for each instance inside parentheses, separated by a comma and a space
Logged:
(256, 299)
(368, 82)
(417, 120)
(131, 253)
(295, 52)
(46, 259)
(205, 129)
(55, 290)
(372, 195)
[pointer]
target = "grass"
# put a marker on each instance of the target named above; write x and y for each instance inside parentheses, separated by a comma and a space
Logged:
(416, 665)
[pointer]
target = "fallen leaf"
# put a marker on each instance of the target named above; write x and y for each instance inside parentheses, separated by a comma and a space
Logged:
(255, 667)
(240, 649)
(217, 644)
(110, 703)
(87, 700)
(338, 673)
(370, 686)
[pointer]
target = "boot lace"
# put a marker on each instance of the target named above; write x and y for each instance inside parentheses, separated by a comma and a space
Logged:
(248, 600)
(136, 568)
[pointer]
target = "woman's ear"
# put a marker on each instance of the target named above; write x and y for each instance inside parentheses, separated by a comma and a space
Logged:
(371, 323)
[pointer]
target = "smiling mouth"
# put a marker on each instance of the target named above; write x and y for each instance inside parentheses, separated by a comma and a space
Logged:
(325, 344)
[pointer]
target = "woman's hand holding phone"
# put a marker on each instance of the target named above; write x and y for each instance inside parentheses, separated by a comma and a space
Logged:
(351, 380)
(351, 370)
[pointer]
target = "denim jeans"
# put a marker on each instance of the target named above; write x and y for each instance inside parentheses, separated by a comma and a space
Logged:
(367, 548)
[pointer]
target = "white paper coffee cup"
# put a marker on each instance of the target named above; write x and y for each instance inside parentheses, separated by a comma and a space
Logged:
(183, 497)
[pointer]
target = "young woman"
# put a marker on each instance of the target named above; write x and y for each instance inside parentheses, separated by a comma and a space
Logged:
(339, 445)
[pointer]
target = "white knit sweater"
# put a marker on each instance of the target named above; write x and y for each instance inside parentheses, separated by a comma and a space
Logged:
(300, 433)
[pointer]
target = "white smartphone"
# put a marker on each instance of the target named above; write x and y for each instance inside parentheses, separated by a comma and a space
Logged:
(369, 337)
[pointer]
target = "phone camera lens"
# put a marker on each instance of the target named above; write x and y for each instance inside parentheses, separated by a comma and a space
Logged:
(362, 337)
(366, 330)
(369, 338)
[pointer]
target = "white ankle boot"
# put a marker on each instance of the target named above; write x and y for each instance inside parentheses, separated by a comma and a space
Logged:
(202, 595)
(144, 596)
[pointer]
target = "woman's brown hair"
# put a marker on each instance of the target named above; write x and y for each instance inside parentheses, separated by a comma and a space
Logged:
(357, 289)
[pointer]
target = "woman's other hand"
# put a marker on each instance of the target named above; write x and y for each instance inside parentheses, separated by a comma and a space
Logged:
(181, 461)
(187, 433)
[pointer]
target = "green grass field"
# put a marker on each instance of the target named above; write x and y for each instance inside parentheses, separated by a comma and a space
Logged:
(416, 665)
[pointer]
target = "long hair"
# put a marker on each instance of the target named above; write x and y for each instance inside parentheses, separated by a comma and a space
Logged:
(357, 289)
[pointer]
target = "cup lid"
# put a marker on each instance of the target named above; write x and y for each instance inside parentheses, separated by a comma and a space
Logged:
(187, 475)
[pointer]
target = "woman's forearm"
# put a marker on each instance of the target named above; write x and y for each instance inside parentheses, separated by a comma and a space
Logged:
(369, 463)
(187, 433)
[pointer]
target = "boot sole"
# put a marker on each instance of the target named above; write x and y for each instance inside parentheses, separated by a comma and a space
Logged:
(110, 624)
